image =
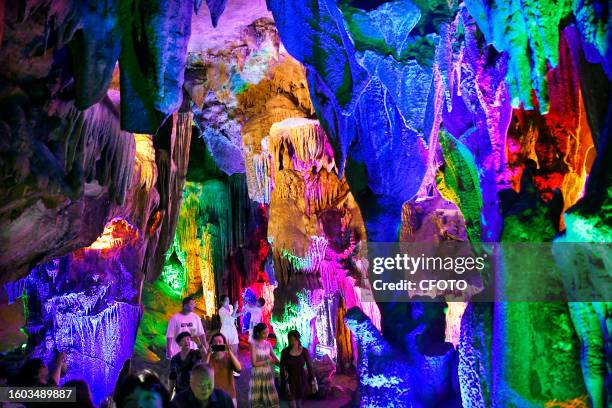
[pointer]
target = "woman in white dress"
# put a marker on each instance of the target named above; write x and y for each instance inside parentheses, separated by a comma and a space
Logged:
(228, 315)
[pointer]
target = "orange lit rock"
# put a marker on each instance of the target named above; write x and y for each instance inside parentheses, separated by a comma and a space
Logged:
(558, 145)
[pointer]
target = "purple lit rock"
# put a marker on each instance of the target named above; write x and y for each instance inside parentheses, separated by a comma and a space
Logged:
(85, 304)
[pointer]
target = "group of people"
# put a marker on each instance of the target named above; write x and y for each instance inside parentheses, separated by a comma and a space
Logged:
(36, 373)
(190, 353)
(202, 370)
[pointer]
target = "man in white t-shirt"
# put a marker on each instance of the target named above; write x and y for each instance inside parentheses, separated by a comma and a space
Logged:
(185, 321)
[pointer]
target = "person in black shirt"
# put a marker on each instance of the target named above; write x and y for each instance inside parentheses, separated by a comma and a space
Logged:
(35, 372)
(201, 393)
(182, 363)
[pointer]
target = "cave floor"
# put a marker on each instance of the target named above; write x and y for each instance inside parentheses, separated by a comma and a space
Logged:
(339, 399)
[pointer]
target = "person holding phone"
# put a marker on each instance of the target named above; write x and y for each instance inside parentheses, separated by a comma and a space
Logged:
(224, 363)
(256, 312)
(228, 315)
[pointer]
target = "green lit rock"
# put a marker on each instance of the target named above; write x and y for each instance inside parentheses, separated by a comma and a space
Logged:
(458, 182)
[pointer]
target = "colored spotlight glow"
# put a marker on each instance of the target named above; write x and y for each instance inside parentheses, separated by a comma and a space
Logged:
(295, 317)
(117, 233)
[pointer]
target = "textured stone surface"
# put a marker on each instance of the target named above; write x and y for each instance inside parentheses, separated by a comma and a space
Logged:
(87, 303)
(388, 377)
(448, 121)
(215, 81)
(475, 361)
(149, 41)
(315, 228)
(507, 26)
(64, 165)
(58, 185)
(537, 138)
(376, 127)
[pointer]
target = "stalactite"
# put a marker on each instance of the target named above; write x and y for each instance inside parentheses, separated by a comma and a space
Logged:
(145, 165)
(560, 142)
(104, 341)
(458, 182)
(97, 130)
(304, 179)
(308, 142)
(258, 176)
(207, 261)
(203, 238)
(300, 146)
(509, 27)
(311, 261)
(14, 290)
(172, 171)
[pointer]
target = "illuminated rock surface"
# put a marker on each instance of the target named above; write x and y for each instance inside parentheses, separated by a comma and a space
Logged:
(320, 126)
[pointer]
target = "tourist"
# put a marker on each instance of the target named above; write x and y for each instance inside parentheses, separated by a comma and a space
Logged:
(35, 372)
(295, 382)
(142, 391)
(256, 312)
(201, 392)
(5, 382)
(185, 321)
(224, 363)
(228, 314)
(182, 362)
(82, 393)
(262, 391)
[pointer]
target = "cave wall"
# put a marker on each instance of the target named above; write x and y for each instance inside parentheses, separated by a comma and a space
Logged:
(391, 120)
(89, 208)
(481, 104)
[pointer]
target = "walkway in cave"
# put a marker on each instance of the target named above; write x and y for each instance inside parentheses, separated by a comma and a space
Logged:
(344, 385)
(338, 400)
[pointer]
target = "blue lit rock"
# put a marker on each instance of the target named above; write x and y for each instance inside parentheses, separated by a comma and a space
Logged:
(475, 362)
(390, 378)
(152, 71)
(95, 50)
(378, 112)
(384, 378)
(478, 113)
